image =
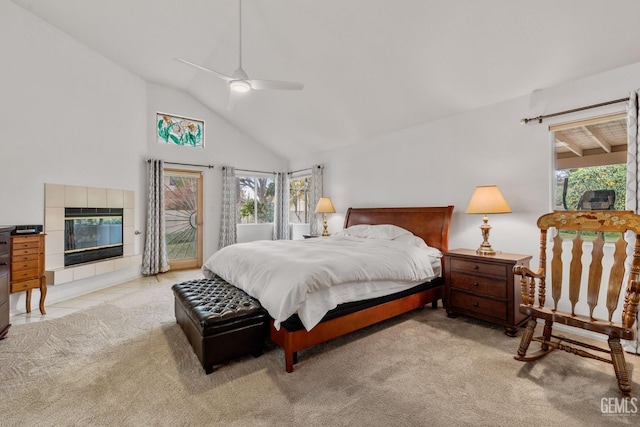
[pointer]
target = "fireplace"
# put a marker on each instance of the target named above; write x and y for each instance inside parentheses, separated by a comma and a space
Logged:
(92, 234)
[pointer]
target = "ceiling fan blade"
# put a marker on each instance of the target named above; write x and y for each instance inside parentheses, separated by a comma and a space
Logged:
(200, 67)
(273, 84)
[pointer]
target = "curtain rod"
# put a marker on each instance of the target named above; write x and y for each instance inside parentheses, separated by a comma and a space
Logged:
(299, 170)
(305, 169)
(223, 167)
(588, 107)
(185, 164)
(251, 170)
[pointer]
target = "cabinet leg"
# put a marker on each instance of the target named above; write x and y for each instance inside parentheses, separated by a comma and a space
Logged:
(29, 301)
(43, 293)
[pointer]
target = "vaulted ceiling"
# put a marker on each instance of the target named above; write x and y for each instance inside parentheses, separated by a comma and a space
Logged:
(369, 66)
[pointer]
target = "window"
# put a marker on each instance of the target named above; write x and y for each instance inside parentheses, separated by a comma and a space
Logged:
(255, 199)
(591, 157)
(299, 200)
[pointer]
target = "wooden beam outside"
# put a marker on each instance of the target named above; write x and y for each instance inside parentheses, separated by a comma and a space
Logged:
(571, 147)
(598, 138)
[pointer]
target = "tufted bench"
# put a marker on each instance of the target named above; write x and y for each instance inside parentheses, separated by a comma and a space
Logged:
(220, 321)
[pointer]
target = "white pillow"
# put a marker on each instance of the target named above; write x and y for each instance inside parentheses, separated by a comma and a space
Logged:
(379, 231)
(419, 243)
(412, 240)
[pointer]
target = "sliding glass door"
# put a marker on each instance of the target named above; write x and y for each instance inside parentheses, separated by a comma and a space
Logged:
(183, 217)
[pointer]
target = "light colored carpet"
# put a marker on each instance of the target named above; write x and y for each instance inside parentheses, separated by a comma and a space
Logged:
(127, 363)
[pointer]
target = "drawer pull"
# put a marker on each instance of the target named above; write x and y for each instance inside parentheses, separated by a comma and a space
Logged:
(476, 284)
(4, 242)
(475, 304)
(475, 267)
(3, 263)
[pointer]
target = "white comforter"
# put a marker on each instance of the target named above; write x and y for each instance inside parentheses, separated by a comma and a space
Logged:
(281, 274)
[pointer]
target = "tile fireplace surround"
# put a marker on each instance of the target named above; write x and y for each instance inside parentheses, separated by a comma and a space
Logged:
(57, 198)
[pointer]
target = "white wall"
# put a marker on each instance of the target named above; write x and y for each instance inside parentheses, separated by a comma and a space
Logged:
(73, 117)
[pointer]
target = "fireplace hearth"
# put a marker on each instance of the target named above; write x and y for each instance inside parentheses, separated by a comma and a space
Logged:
(92, 234)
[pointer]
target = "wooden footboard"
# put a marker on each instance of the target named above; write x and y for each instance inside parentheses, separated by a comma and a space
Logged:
(294, 341)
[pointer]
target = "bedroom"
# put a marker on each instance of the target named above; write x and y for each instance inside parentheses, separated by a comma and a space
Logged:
(75, 117)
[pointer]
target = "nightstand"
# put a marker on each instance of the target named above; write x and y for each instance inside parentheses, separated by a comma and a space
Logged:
(483, 287)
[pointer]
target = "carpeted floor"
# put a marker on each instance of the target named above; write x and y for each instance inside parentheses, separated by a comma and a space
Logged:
(127, 363)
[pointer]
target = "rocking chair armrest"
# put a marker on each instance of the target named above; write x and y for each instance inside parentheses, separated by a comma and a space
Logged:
(521, 270)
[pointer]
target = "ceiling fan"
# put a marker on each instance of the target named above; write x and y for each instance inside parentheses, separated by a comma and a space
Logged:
(239, 82)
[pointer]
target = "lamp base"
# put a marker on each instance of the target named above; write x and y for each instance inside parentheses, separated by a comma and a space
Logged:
(485, 250)
(325, 231)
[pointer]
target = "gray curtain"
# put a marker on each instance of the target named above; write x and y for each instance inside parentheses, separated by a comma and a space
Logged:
(633, 186)
(228, 232)
(154, 258)
(316, 221)
(281, 220)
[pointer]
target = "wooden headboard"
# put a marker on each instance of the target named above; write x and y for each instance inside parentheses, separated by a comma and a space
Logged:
(429, 223)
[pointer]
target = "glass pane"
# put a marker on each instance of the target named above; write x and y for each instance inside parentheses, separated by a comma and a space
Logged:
(594, 187)
(255, 200)
(265, 195)
(181, 222)
(299, 209)
(244, 200)
(590, 163)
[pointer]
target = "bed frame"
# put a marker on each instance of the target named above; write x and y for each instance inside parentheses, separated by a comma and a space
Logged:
(429, 223)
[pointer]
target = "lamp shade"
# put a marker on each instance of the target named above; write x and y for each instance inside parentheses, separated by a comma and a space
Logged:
(325, 206)
(487, 199)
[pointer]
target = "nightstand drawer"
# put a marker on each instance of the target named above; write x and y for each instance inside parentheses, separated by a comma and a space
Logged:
(479, 284)
(25, 286)
(478, 305)
(497, 270)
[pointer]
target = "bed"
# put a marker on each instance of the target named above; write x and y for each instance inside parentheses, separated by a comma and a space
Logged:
(291, 328)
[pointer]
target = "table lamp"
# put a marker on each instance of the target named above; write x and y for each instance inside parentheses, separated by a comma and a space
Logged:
(324, 207)
(487, 199)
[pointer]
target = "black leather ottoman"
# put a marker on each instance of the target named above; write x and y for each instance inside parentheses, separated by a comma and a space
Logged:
(220, 321)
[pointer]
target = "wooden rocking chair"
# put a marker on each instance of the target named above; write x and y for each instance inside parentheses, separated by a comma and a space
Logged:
(600, 222)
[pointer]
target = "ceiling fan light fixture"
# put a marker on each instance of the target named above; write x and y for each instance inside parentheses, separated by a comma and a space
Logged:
(240, 86)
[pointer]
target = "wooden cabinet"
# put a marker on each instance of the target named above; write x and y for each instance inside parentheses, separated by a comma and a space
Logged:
(483, 287)
(27, 266)
(5, 253)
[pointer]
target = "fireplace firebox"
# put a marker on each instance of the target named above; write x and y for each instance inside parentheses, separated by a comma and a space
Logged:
(92, 234)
